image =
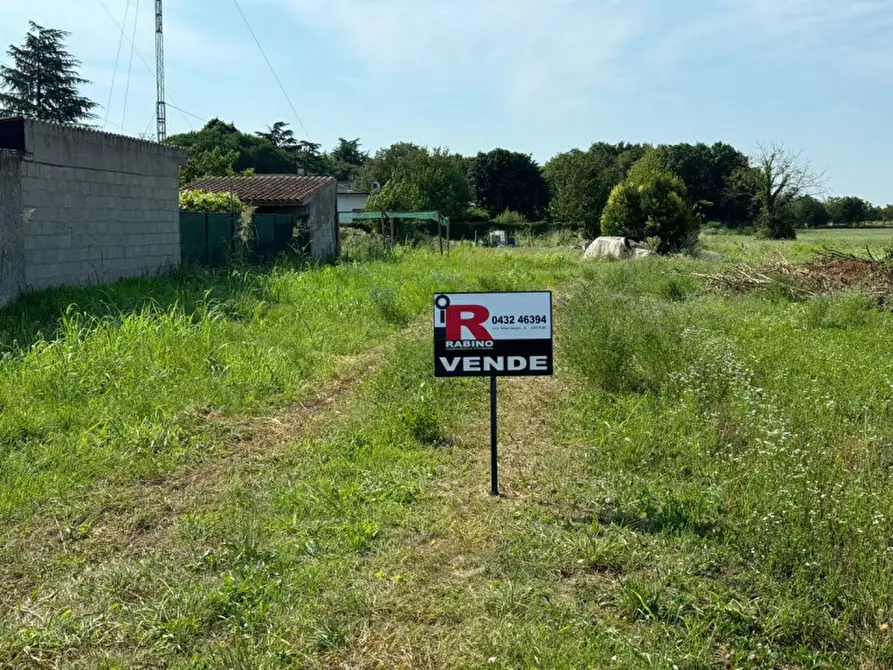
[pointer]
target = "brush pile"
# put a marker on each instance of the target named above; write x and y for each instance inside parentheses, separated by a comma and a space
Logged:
(829, 271)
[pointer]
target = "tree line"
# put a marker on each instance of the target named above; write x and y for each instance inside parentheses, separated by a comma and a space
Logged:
(775, 191)
(665, 191)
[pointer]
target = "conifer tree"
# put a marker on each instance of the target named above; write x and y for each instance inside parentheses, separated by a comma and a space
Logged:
(43, 81)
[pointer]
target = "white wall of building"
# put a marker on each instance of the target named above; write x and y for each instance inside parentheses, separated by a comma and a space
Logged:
(351, 202)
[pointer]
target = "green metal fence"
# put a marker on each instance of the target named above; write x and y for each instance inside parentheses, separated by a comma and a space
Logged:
(216, 239)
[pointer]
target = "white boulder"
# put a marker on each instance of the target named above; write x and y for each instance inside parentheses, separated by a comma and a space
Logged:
(613, 248)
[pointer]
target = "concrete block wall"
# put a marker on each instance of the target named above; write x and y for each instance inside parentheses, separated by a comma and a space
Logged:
(322, 211)
(12, 238)
(96, 206)
(89, 207)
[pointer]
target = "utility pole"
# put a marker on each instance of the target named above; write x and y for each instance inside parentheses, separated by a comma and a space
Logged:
(161, 108)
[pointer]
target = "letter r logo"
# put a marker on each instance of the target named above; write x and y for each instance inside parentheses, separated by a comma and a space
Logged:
(470, 317)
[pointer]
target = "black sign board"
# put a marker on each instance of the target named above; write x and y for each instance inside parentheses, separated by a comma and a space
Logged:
(493, 334)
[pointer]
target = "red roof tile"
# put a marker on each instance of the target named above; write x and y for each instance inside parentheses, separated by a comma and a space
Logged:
(265, 189)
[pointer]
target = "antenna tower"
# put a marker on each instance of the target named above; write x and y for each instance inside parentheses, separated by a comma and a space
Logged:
(161, 108)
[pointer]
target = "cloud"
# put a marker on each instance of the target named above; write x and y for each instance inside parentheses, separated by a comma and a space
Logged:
(530, 49)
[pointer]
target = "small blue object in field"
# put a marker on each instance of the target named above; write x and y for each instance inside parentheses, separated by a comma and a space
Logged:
(511, 241)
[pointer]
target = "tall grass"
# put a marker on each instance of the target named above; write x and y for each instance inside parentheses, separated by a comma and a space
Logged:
(118, 381)
(262, 576)
(705, 484)
(751, 438)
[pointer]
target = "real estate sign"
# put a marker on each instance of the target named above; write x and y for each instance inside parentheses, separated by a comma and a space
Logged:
(493, 334)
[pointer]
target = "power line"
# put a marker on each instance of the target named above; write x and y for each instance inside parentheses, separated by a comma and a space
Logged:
(126, 131)
(135, 51)
(148, 125)
(131, 132)
(136, 16)
(188, 122)
(183, 111)
(129, 41)
(270, 65)
(115, 71)
(183, 114)
(140, 58)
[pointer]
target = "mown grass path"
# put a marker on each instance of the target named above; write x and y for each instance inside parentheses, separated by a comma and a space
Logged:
(445, 596)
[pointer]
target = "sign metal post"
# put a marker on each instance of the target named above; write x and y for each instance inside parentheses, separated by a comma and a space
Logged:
(493, 335)
(494, 454)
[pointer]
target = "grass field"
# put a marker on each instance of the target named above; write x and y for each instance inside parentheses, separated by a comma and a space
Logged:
(843, 239)
(258, 470)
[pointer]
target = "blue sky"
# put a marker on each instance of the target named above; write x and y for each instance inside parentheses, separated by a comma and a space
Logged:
(538, 76)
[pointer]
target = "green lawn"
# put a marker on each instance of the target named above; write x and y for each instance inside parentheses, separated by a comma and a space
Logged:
(230, 470)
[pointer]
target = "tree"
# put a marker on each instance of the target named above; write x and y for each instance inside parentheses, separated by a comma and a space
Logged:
(780, 177)
(581, 182)
(426, 180)
(578, 192)
(381, 167)
(279, 136)
(810, 213)
(43, 81)
(505, 180)
(651, 203)
(212, 147)
(348, 152)
(214, 163)
(346, 159)
(849, 210)
(707, 172)
(310, 159)
(397, 196)
(627, 155)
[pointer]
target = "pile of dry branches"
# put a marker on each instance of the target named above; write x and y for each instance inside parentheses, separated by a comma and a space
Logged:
(828, 272)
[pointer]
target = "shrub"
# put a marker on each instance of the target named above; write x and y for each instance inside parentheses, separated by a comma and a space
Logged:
(623, 213)
(477, 214)
(510, 218)
(777, 225)
(651, 202)
(195, 200)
